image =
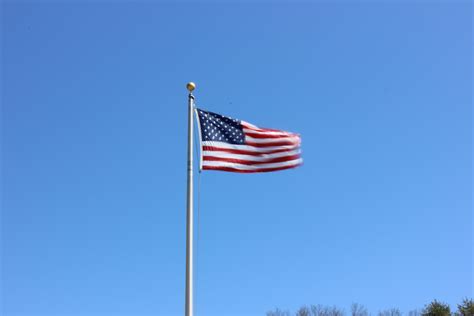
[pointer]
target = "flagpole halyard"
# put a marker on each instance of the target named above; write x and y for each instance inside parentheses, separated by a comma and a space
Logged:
(189, 210)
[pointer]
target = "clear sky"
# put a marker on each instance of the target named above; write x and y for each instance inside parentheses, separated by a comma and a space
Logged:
(94, 156)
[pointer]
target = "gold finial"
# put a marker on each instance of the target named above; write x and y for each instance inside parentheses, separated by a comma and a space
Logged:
(191, 86)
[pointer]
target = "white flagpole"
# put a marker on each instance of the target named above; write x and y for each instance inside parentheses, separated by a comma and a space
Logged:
(189, 213)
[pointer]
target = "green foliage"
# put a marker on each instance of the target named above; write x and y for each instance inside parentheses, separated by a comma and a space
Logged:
(436, 308)
(466, 308)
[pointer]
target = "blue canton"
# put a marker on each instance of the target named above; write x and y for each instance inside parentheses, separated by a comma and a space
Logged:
(218, 128)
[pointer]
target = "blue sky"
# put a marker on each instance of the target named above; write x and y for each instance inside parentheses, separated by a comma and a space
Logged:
(94, 156)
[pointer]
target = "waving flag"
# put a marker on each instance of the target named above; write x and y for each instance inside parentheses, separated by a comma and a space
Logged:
(232, 145)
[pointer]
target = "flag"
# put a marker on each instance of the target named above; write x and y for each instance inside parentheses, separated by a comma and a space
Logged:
(233, 145)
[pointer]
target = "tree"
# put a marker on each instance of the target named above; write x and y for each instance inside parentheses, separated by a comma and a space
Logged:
(466, 308)
(358, 310)
(303, 311)
(414, 312)
(320, 310)
(278, 312)
(390, 312)
(436, 308)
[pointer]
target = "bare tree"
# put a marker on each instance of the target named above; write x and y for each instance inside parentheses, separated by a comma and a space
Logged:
(303, 311)
(390, 312)
(320, 310)
(358, 310)
(278, 312)
(414, 312)
(334, 311)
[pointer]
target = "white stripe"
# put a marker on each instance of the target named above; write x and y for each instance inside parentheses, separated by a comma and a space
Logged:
(222, 154)
(246, 147)
(252, 167)
(250, 128)
(263, 132)
(247, 124)
(294, 139)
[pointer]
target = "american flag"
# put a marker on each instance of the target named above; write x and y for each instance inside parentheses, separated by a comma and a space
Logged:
(232, 145)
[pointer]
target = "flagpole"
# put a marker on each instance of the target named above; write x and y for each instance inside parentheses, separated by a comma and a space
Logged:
(189, 212)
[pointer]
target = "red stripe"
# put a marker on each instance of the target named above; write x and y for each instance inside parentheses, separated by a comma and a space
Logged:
(244, 152)
(254, 135)
(282, 143)
(230, 169)
(249, 162)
